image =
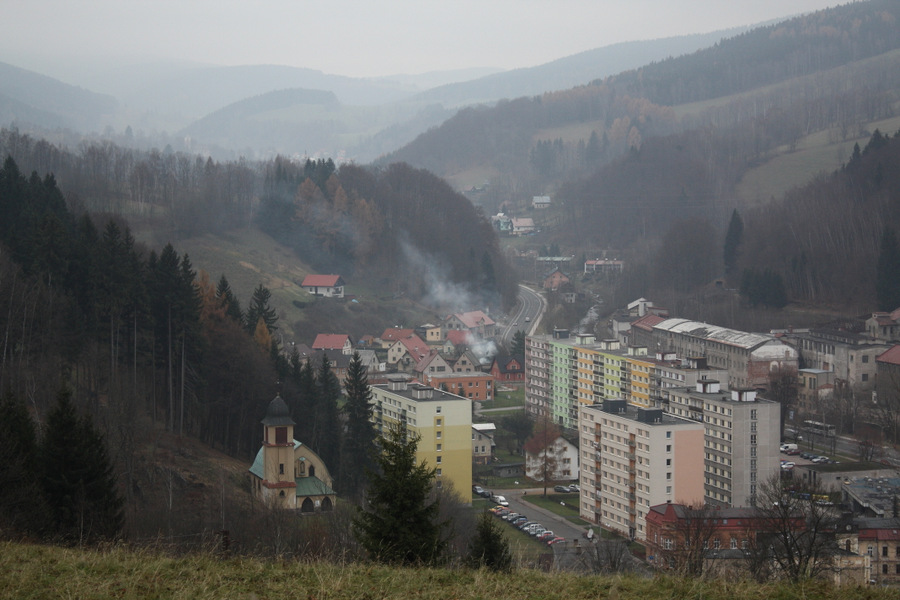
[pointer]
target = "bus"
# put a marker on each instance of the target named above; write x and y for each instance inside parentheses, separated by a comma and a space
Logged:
(819, 428)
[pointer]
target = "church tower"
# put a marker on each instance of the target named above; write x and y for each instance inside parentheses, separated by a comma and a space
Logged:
(279, 484)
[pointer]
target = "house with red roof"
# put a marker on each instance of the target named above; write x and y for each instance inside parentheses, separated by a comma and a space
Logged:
(328, 286)
(406, 353)
(392, 335)
(339, 342)
(475, 322)
(433, 363)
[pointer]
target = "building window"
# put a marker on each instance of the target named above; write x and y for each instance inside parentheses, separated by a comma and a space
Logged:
(437, 422)
(865, 358)
(884, 569)
(438, 447)
(281, 468)
(438, 410)
(438, 435)
(438, 460)
(870, 551)
(884, 551)
(865, 376)
(668, 447)
(281, 435)
(438, 473)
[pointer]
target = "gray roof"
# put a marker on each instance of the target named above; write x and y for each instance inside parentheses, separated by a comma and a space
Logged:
(278, 413)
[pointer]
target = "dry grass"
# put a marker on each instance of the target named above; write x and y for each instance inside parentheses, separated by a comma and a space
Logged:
(33, 571)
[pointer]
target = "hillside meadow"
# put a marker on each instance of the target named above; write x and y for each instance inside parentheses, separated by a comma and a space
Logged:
(34, 571)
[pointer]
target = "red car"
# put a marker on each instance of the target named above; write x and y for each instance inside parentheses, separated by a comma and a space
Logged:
(555, 540)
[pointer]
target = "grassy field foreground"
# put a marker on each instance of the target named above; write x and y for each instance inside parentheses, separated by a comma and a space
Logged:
(33, 571)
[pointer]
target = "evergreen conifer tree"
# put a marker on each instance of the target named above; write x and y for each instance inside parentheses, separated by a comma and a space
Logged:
(399, 524)
(77, 477)
(358, 448)
(489, 548)
(20, 497)
(328, 442)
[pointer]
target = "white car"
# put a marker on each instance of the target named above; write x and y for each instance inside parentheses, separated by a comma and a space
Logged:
(500, 500)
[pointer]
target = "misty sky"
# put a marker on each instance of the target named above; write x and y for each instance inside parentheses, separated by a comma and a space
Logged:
(356, 37)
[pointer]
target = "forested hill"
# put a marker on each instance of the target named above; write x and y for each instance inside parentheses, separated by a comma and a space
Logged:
(801, 46)
(400, 230)
(825, 53)
(834, 240)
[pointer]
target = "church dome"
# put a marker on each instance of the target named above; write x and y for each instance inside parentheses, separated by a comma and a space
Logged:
(278, 413)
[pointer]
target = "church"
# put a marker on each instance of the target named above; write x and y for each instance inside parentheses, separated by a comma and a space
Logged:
(287, 473)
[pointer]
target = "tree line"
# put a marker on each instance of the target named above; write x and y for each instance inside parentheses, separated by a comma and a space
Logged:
(359, 222)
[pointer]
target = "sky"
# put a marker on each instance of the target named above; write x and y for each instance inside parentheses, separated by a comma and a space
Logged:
(357, 38)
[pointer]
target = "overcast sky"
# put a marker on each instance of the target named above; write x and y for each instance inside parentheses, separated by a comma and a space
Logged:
(357, 37)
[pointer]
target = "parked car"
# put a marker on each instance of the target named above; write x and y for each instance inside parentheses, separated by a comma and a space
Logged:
(536, 531)
(510, 516)
(477, 489)
(562, 489)
(546, 535)
(485, 494)
(555, 540)
(500, 500)
(574, 487)
(787, 465)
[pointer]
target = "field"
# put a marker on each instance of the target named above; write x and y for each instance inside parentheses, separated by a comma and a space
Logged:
(33, 571)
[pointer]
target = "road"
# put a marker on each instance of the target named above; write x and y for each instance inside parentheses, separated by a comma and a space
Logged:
(525, 317)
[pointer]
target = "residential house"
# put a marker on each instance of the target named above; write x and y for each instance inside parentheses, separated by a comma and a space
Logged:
(884, 326)
(880, 540)
(432, 364)
(390, 336)
(432, 334)
(483, 443)
(285, 472)
(814, 388)
(522, 225)
(334, 342)
(466, 362)
(887, 365)
(328, 286)
(540, 202)
(554, 280)
(407, 352)
(475, 322)
(508, 369)
(558, 462)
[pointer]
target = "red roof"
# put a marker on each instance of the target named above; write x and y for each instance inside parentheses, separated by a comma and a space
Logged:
(395, 333)
(474, 318)
(321, 281)
(647, 321)
(458, 337)
(330, 341)
(890, 356)
(415, 346)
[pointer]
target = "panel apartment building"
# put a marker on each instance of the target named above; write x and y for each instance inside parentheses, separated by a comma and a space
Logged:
(742, 436)
(443, 422)
(633, 458)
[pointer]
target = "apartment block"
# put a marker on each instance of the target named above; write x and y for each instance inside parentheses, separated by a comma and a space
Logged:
(633, 458)
(742, 436)
(443, 422)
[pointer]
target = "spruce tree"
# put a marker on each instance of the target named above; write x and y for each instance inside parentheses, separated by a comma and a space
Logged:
(20, 497)
(328, 442)
(358, 448)
(259, 308)
(489, 547)
(77, 477)
(399, 524)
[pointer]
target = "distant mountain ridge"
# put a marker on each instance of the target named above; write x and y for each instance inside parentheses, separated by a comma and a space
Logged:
(32, 97)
